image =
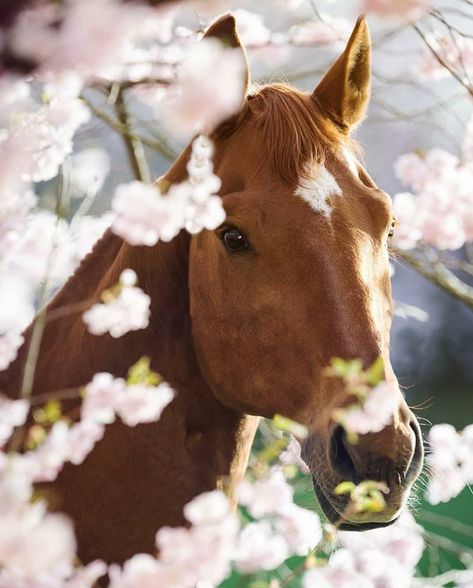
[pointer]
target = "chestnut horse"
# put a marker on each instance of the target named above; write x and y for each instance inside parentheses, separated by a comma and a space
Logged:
(244, 321)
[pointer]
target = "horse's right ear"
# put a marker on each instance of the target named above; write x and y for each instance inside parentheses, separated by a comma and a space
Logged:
(225, 30)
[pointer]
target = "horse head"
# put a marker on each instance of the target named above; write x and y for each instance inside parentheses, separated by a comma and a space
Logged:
(299, 274)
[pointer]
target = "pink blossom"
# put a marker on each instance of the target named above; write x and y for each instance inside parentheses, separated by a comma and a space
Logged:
(403, 542)
(13, 413)
(48, 459)
(84, 42)
(260, 548)
(10, 343)
(44, 137)
(134, 404)
(411, 170)
(15, 96)
(328, 30)
(200, 554)
(405, 9)
(138, 403)
(82, 438)
(441, 212)
(143, 571)
(300, 528)
(210, 89)
(31, 530)
(100, 398)
(251, 28)
(90, 168)
(292, 455)
(339, 573)
(373, 415)
(451, 462)
(266, 496)
(85, 231)
(144, 215)
(207, 508)
(87, 576)
(454, 50)
(128, 311)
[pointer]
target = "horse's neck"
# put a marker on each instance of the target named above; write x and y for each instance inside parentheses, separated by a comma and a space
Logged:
(70, 355)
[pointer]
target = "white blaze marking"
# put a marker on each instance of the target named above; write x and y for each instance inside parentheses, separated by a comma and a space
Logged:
(317, 190)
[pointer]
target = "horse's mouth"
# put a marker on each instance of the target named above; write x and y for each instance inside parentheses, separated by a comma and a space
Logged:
(335, 517)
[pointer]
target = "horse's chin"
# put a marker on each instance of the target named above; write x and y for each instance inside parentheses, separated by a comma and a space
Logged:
(335, 517)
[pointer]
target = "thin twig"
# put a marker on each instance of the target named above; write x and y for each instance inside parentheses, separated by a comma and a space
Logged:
(117, 126)
(439, 275)
(133, 145)
(442, 62)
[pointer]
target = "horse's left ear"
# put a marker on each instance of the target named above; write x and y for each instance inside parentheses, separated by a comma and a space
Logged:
(344, 91)
(225, 30)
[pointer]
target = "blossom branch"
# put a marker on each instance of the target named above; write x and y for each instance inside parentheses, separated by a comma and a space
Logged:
(116, 125)
(134, 146)
(439, 274)
(442, 61)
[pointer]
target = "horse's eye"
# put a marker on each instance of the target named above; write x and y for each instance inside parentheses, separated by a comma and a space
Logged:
(234, 241)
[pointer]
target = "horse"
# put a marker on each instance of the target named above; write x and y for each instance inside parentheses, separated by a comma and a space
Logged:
(244, 321)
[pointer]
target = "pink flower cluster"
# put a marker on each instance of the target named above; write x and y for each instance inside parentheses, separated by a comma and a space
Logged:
(404, 9)
(210, 74)
(133, 403)
(204, 553)
(450, 460)
(27, 528)
(145, 215)
(373, 414)
(455, 51)
(328, 30)
(380, 558)
(84, 42)
(439, 210)
(281, 528)
(124, 312)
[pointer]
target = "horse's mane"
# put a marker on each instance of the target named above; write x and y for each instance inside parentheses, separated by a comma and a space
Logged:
(296, 130)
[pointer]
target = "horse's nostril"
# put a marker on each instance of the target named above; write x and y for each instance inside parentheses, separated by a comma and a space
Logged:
(418, 453)
(340, 457)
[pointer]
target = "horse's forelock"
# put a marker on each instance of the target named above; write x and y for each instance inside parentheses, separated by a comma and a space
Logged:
(297, 133)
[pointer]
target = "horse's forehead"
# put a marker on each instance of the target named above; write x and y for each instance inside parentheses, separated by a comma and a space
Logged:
(323, 183)
(318, 188)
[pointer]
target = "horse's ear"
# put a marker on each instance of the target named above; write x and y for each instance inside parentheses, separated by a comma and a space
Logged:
(344, 91)
(225, 30)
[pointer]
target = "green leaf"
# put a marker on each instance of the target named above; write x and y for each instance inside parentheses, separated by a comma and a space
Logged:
(375, 373)
(141, 373)
(285, 424)
(48, 414)
(344, 488)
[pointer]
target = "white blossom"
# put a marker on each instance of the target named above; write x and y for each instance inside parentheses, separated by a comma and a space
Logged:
(13, 413)
(90, 168)
(138, 403)
(451, 462)
(145, 215)
(128, 311)
(266, 496)
(375, 413)
(210, 74)
(260, 548)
